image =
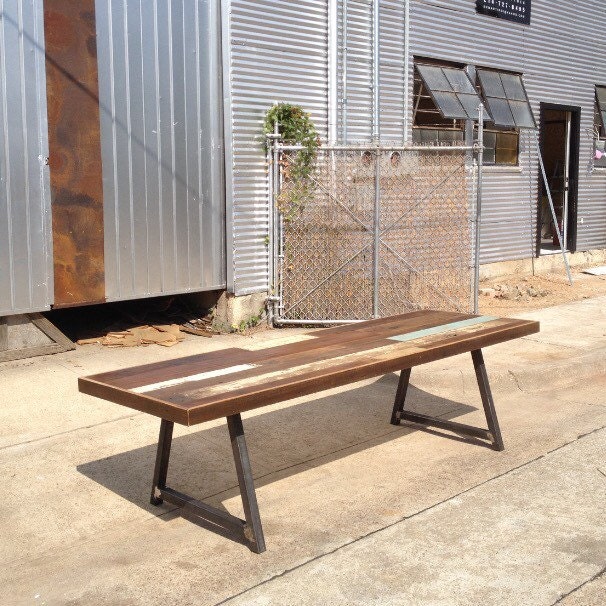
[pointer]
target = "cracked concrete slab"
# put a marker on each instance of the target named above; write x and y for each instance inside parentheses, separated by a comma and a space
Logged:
(77, 527)
(488, 546)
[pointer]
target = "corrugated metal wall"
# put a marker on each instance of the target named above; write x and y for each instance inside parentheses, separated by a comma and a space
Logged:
(355, 70)
(25, 270)
(560, 54)
(278, 52)
(162, 147)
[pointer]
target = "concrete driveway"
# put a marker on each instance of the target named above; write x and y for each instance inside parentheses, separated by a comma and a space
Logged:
(355, 511)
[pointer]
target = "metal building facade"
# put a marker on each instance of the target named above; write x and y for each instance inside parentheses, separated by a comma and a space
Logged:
(270, 43)
(184, 87)
(276, 51)
(162, 146)
(560, 56)
(25, 246)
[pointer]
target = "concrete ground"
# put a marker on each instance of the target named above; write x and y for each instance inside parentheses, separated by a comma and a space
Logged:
(355, 511)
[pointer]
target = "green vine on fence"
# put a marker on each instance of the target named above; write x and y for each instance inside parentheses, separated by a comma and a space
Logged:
(295, 127)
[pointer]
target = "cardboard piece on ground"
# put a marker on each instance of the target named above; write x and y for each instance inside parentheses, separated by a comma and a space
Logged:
(165, 335)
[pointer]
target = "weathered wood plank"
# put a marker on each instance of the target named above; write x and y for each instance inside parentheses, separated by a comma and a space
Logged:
(337, 357)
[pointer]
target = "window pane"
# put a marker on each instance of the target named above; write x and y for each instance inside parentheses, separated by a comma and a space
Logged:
(601, 161)
(470, 103)
(522, 114)
(459, 81)
(499, 109)
(450, 136)
(490, 142)
(513, 87)
(507, 148)
(603, 114)
(491, 83)
(601, 94)
(425, 136)
(506, 156)
(434, 78)
(449, 105)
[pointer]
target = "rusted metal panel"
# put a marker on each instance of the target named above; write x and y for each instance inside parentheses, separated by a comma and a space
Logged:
(75, 151)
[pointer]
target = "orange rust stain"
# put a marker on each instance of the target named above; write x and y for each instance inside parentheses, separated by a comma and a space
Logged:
(75, 151)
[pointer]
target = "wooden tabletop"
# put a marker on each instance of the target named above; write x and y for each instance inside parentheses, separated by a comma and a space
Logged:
(208, 386)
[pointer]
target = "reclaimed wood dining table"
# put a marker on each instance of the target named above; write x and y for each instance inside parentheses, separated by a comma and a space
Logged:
(226, 383)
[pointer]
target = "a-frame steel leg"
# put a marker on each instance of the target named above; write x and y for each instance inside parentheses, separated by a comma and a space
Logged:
(249, 530)
(253, 529)
(398, 405)
(492, 434)
(487, 401)
(162, 456)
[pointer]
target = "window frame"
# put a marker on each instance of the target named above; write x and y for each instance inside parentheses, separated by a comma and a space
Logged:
(599, 127)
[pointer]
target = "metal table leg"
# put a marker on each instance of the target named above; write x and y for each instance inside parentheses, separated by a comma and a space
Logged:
(249, 530)
(492, 434)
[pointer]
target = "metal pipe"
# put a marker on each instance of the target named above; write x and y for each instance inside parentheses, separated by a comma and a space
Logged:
(472, 202)
(406, 70)
(333, 63)
(344, 72)
(282, 322)
(369, 147)
(226, 46)
(476, 278)
(376, 137)
(553, 215)
(377, 237)
(270, 233)
(376, 72)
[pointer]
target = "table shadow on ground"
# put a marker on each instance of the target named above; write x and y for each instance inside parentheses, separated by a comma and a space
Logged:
(281, 443)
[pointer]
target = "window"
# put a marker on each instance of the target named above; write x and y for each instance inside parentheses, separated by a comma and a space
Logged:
(444, 97)
(506, 100)
(501, 147)
(599, 127)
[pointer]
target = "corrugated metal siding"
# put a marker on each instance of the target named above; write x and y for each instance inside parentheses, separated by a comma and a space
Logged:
(25, 269)
(356, 38)
(161, 137)
(560, 56)
(355, 54)
(391, 71)
(278, 53)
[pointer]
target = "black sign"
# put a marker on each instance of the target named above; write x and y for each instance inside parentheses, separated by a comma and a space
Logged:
(512, 10)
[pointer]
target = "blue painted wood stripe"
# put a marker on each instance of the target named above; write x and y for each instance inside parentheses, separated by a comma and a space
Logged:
(435, 330)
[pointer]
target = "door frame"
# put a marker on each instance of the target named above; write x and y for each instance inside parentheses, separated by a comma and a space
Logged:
(573, 162)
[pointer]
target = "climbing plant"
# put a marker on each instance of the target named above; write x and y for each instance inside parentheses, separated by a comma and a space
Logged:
(295, 127)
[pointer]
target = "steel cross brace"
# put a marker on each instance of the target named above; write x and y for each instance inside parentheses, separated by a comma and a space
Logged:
(248, 530)
(492, 434)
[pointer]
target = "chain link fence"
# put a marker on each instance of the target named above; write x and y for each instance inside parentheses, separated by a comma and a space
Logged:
(373, 232)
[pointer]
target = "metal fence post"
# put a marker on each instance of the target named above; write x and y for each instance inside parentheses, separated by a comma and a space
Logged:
(478, 207)
(377, 236)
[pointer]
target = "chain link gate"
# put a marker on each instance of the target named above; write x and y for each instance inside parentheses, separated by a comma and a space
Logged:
(373, 232)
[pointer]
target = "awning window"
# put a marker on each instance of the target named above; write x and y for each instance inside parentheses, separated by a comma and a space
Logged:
(600, 94)
(506, 99)
(452, 91)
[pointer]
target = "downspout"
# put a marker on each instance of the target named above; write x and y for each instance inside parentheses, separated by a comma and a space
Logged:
(376, 73)
(407, 92)
(333, 58)
(376, 138)
(344, 99)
